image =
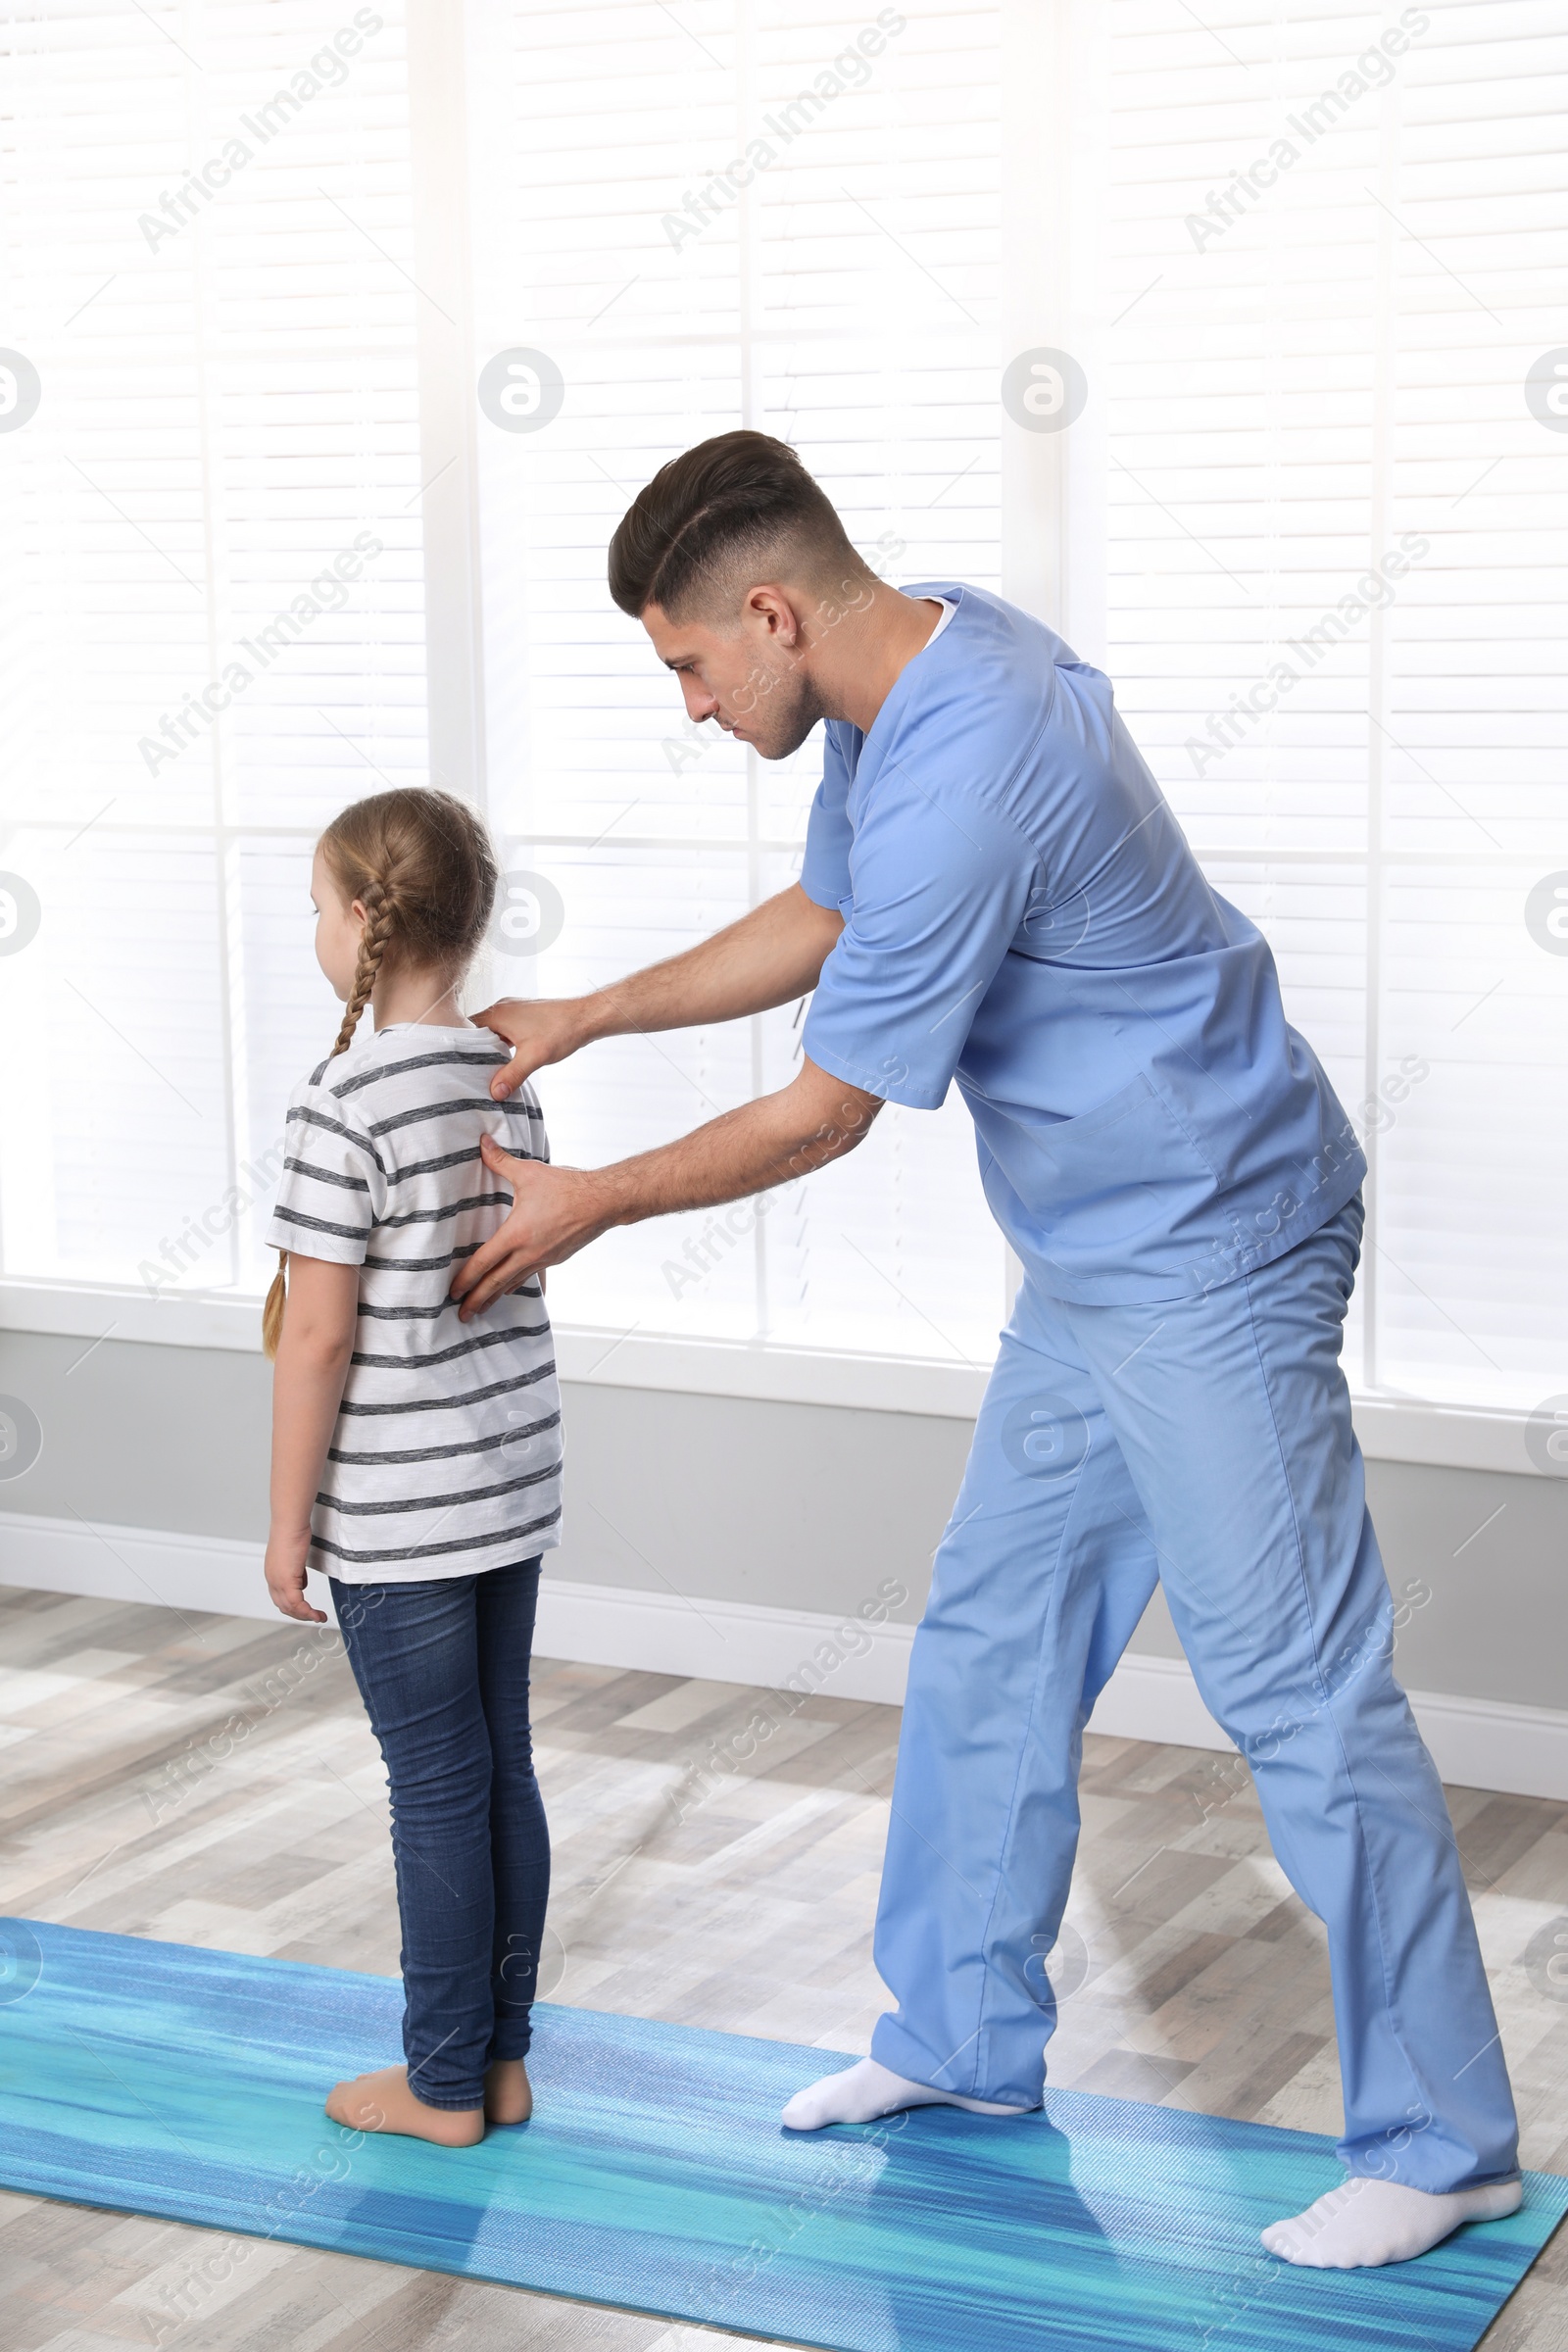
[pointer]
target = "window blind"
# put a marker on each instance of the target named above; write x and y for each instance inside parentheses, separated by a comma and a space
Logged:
(1309, 519)
(1334, 593)
(844, 299)
(211, 571)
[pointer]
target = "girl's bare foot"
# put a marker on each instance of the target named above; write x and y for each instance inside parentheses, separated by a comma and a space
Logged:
(384, 2103)
(507, 2096)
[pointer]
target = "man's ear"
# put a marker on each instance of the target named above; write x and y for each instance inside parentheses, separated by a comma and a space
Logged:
(775, 608)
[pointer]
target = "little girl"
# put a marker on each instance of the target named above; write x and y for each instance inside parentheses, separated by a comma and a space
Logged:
(415, 1458)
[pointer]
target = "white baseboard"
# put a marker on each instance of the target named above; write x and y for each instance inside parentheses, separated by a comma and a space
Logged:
(1477, 1744)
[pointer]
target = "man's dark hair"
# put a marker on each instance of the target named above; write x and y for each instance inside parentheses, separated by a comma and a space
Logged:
(739, 504)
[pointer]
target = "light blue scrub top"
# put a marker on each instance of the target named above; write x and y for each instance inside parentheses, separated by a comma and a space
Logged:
(1022, 913)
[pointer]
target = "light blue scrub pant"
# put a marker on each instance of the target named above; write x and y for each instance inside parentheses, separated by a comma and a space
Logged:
(1206, 1443)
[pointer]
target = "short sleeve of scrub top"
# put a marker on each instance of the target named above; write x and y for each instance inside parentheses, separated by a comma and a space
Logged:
(937, 882)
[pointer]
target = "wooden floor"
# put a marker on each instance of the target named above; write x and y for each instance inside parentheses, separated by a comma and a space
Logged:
(212, 1780)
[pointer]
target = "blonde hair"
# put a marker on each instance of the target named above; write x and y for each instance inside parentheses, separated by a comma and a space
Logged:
(421, 865)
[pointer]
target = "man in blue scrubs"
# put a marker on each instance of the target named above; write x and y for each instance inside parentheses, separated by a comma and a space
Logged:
(996, 894)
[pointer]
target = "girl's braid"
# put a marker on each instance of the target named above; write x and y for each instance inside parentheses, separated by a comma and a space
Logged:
(380, 906)
(380, 922)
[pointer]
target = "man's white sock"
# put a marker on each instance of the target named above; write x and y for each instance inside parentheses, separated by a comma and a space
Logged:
(864, 2092)
(1366, 2222)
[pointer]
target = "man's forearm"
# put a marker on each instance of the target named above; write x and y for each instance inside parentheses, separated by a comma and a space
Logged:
(772, 1141)
(557, 1211)
(768, 958)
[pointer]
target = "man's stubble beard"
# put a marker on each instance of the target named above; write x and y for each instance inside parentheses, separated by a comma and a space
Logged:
(786, 717)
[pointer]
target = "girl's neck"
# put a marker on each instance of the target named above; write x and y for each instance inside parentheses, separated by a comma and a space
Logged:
(426, 999)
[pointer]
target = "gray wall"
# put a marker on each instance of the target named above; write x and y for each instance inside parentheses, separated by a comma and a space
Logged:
(783, 1505)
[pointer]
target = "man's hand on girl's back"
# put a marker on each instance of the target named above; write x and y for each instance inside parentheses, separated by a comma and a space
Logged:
(554, 1212)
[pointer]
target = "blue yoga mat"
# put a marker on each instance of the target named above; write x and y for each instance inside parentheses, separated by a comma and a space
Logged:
(158, 2079)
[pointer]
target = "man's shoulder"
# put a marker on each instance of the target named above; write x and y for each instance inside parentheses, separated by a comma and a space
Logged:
(984, 618)
(978, 703)
(991, 672)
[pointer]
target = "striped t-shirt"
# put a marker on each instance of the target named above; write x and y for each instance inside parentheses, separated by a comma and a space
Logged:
(447, 1453)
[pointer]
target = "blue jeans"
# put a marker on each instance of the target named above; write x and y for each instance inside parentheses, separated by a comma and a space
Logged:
(443, 1669)
(1204, 1444)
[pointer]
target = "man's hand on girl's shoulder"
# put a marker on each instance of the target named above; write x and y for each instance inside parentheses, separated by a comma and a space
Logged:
(537, 1031)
